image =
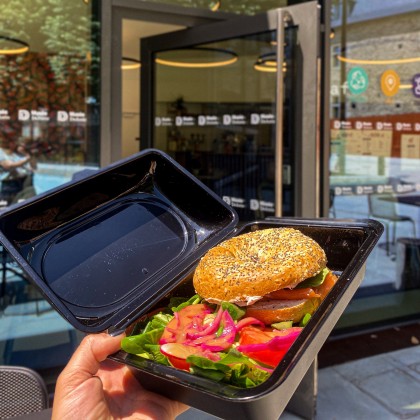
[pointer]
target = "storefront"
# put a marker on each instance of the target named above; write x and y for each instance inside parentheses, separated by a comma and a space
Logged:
(87, 88)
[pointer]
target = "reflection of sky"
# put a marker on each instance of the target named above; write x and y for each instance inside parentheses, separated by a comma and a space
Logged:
(364, 10)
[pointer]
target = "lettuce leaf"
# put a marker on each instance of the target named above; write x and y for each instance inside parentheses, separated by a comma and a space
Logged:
(314, 281)
(234, 368)
(234, 311)
(157, 321)
(178, 303)
(247, 377)
(140, 344)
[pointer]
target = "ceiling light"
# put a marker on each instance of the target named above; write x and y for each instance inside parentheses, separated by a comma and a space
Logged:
(378, 62)
(130, 63)
(12, 46)
(201, 57)
(268, 63)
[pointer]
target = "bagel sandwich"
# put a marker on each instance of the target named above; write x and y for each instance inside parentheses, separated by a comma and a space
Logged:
(276, 274)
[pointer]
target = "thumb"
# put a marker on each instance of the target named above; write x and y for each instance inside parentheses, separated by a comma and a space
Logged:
(85, 361)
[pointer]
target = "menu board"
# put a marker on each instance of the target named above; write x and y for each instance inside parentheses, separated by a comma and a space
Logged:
(365, 142)
(410, 146)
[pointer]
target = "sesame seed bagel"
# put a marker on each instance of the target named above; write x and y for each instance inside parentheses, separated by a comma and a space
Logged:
(244, 268)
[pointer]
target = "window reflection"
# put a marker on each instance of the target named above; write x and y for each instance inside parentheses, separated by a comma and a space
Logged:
(49, 130)
(375, 137)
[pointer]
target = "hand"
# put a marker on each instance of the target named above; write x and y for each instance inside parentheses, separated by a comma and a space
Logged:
(91, 387)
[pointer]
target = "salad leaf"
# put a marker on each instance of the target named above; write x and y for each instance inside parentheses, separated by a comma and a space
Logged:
(305, 320)
(136, 344)
(234, 368)
(157, 321)
(282, 325)
(176, 304)
(234, 311)
(246, 377)
(215, 375)
(314, 281)
(153, 350)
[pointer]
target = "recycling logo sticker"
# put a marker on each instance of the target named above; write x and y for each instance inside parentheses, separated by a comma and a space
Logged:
(357, 80)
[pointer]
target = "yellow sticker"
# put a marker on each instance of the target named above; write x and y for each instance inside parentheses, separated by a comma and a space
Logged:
(390, 82)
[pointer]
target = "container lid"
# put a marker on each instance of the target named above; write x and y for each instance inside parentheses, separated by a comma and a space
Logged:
(105, 248)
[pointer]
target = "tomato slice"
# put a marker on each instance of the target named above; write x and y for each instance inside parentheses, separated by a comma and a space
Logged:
(307, 292)
(270, 355)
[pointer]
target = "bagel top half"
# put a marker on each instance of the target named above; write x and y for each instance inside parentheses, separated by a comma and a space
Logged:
(244, 268)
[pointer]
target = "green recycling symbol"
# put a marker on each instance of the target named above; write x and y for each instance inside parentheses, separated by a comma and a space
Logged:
(357, 80)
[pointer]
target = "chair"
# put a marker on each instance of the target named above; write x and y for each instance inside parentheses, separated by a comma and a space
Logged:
(23, 391)
(384, 207)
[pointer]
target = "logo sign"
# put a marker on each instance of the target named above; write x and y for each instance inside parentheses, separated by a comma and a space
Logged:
(24, 115)
(62, 116)
(390, 83)
(357, 80)
(416, 85)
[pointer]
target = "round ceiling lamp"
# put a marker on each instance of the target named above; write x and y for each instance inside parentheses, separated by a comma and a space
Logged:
(268, 63)
(12, 46)
(200, 57)
(378, 62)
(129, 63)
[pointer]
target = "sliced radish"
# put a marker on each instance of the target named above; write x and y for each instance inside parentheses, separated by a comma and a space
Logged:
(177, 354)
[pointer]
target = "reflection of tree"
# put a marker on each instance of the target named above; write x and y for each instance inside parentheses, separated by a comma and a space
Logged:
(69, 37)
(56, 72)
(61, 28)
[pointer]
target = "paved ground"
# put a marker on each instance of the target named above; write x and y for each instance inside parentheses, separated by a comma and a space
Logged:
(383, 387)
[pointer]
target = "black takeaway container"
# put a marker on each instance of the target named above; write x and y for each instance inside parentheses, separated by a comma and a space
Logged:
(108, 248)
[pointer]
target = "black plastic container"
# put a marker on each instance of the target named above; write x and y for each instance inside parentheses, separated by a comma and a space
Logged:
(106, 249)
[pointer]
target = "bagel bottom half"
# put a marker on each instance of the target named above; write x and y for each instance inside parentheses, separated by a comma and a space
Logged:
(272, 311)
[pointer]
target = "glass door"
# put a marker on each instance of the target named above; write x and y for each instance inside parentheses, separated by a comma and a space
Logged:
(375, 150)
(234, 104)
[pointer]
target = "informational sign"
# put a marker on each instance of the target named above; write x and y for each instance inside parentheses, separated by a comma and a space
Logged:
(416, 85)
(390, 82)
(184, 121)
(203, 120)
(163, 121)
(357, 80)
(410, 146)
(33, 115)
(365, 142)
(71, 116)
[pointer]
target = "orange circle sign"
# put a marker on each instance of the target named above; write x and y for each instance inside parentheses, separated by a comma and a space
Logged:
(390, 82)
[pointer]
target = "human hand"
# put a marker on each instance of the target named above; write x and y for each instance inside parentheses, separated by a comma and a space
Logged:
(91, 387)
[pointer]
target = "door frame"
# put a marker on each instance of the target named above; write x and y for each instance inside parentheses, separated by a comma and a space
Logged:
(308, 153)
(112, 14)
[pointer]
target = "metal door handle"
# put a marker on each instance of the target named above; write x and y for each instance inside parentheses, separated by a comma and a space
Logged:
(283, 18)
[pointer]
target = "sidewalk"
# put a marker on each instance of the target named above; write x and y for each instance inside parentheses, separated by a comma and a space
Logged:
(382, 387)
(386, 386)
